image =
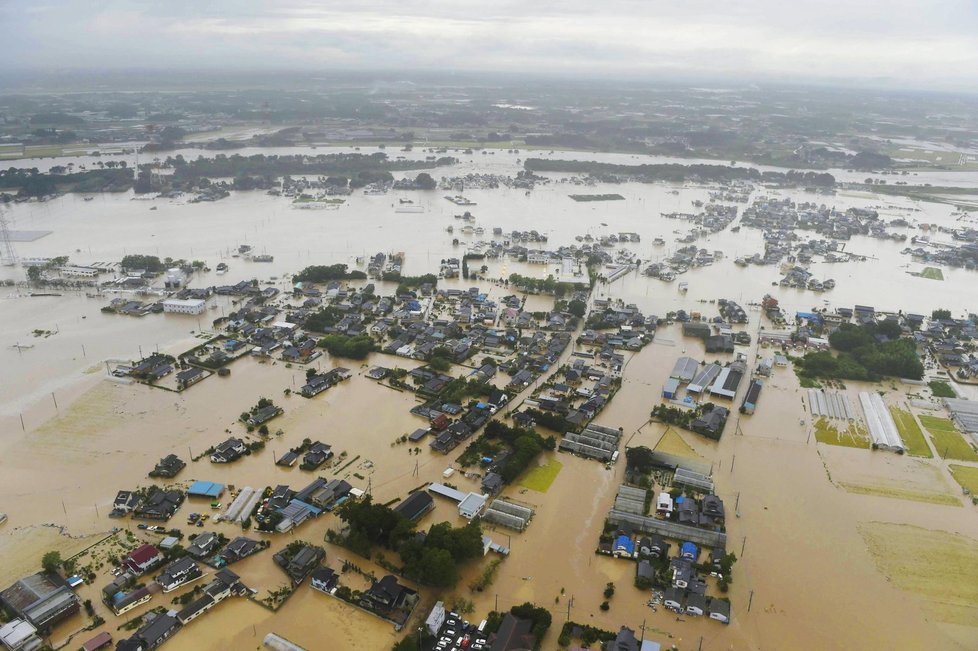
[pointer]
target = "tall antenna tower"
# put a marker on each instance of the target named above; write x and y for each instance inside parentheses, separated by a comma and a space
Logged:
(7, 254)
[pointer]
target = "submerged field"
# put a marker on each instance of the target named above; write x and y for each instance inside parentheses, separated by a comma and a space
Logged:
(853, 436)
(672, 443)
(932, 273)
(901, 493)
(967, 476)
(936, 565)
(540, 478)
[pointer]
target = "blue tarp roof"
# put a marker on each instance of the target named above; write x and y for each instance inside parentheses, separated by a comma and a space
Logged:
(205, 489)
(689, 548)
(626, 543)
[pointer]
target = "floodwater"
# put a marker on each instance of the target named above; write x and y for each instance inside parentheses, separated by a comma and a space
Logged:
(805, 579)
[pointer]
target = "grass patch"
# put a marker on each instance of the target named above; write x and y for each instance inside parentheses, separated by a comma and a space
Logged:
(910, 432)
(932, 273)
(941, 389)
(853, 436)
(540, 478)
(936, 565)
(898, 493)
(967, 476)
(948, 440)
(672, 443)
(806, 381)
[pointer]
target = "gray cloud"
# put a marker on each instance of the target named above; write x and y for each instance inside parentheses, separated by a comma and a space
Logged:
(905, 41)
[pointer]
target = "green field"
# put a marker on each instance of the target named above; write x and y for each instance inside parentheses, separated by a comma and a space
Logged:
(911, 433)
(948, 440)
(854, 436)
(967, 476)
(540, 478)
(932, 273)
(941, 389)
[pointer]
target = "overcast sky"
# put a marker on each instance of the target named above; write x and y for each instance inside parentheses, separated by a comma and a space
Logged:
(916, 43)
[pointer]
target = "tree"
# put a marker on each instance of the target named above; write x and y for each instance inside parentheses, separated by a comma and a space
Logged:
(540, 617)
(34, 274)
(577, 307)
(640, 459)
(322, 273)
(51, 561)
(150, 263)
(425, 182)
(440, 364)
(352, 347)
(940, 315)
(437, 568)
(890, 329)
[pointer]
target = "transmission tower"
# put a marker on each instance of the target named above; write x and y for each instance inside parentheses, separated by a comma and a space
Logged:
(7, 254)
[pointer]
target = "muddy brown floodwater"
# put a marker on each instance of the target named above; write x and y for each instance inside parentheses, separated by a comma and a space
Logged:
(819, 530)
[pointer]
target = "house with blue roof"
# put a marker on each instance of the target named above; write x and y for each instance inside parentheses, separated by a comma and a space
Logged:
(624, 546)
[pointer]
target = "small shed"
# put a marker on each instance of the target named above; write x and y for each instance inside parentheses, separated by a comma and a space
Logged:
(169, 542)
(101, 641)
(205, 489)
(670, 388)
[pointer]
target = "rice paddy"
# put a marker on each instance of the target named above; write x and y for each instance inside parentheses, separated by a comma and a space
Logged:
(540, 478)
(910, 432)
(948, 441)
(932, 273)
(853, 436)
(672, 443)
(967, 476)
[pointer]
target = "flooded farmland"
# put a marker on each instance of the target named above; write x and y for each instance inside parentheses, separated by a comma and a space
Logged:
(819, 529)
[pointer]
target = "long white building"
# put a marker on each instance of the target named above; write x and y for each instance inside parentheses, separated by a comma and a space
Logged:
(181, 306)
(882, 429)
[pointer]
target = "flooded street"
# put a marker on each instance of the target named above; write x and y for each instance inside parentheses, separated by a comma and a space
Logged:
(812, 572)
